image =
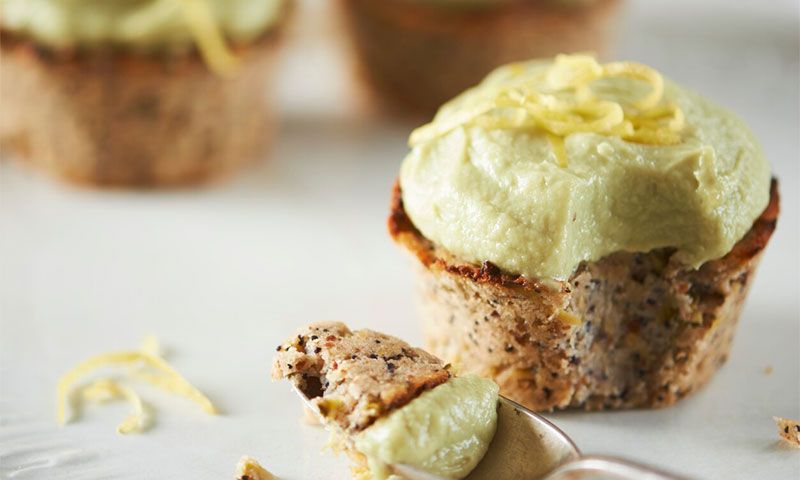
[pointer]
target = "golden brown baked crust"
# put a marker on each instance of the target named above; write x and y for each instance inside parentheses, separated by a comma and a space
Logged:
(113, 117)
(415, 56)
(630, 330)
(355, 377)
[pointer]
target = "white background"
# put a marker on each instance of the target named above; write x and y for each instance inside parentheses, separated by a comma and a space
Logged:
(224, 273)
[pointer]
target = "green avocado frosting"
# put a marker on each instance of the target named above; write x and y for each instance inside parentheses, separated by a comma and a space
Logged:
(138, 23)
(445, 431)
(549, 163)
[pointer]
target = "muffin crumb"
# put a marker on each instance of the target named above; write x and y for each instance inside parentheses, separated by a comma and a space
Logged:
(248, 468)
(789, 430)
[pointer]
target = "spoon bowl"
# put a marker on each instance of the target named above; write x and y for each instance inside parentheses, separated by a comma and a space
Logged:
(525, 446)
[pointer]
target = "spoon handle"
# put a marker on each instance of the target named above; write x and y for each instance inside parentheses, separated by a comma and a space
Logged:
(608, 466)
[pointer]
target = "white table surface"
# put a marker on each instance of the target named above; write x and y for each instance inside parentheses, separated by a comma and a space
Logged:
(224, 273)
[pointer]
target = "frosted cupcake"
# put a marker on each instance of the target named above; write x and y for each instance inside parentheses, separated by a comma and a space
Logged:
(416, 54)
(585, 234)
(137, 93)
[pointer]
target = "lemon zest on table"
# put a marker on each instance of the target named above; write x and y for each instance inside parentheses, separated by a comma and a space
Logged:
(560, 101)
(144, 364)
(210, 40)
(106, 389)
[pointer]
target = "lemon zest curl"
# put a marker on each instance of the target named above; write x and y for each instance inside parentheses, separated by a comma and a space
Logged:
(560, 101)
(144, 364)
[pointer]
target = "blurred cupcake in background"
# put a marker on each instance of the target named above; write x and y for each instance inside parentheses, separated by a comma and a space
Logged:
(416, 54)
(137, 93)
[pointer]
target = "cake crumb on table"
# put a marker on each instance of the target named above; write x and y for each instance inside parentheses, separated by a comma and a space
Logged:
(249, 469)
(789, 430)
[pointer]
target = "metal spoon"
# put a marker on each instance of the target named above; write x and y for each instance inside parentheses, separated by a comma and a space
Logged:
(529, 447)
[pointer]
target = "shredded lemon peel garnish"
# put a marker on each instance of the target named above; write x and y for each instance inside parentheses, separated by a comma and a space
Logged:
(106, 389)
(209, 38)
(560, 101)
(144, 364)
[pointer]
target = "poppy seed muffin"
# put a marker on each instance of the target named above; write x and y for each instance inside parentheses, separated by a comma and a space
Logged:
(137, 94)
(585, 234)
(414, 55)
